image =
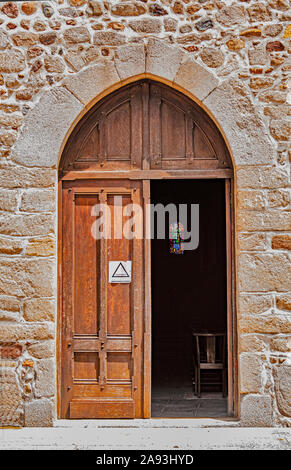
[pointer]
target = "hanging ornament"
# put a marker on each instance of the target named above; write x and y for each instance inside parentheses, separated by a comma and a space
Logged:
(176, 237)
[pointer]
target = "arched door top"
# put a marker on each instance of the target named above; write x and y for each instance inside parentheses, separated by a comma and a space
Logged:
(145, 125)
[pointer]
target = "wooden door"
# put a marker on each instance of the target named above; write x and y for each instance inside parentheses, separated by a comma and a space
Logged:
(102, 322)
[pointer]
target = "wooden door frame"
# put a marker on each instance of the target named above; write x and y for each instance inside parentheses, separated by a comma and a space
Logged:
(230, 287)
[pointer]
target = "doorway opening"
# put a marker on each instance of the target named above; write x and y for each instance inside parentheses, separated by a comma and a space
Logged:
(189, 296)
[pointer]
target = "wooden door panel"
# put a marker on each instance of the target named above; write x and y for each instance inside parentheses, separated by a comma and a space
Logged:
(86, 267)
(102, 349)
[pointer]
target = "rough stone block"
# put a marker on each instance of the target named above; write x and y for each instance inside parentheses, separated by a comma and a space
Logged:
(37, 201)
(39, 310)
(281, 242)
(246, 133)
(251, 200)
(264, 272)
(10, 398)
(18, 332)
(282, 379)
(42, 349)
(273, 324)
(41, 247)
(256, 410)
(254, 303)
(90, 82)
(195, 79)
(162, 59)
(26, 224)
(263, 220)
(42, 136)
(45, 378)
(283, 302)
(255, 177)
(130, 60)
(253, 343)
(27, 277)
(251, 368)
(39, 413)
(252, 241)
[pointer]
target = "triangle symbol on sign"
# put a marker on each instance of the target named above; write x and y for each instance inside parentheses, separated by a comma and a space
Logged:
(120, 271)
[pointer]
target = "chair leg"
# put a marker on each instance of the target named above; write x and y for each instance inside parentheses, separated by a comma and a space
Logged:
(223, 382)
(198, 383)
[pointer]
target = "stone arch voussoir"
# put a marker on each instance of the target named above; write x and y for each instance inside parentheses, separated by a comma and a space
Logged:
(50, 121)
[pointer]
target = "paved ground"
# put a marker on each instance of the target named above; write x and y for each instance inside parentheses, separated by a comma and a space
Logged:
(156, 434)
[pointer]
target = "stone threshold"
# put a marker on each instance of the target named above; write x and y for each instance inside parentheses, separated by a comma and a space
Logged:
(148, 423)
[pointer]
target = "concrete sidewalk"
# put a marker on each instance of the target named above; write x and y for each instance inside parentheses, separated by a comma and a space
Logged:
(158, 434)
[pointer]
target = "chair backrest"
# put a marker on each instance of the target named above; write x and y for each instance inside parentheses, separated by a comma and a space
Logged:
(210, 348)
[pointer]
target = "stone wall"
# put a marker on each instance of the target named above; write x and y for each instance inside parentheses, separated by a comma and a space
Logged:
(55, 57)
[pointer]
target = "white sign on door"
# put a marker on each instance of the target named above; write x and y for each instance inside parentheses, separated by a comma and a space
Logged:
(119, 271)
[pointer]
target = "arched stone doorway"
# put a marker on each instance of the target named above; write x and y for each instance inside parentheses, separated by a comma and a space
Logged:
(143, 132)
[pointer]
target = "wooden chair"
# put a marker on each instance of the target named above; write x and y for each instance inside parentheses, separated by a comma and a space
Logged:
(209, 352)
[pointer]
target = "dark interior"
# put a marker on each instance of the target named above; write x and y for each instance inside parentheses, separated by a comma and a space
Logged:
(188, 293)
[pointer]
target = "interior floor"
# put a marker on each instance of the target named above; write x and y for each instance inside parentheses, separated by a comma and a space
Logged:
(188, 294)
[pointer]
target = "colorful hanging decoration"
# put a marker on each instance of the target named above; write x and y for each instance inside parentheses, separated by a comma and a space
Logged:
(176, 237)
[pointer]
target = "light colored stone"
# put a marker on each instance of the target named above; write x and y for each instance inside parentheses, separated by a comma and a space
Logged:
(77, 35)
(258, 55)
(212, 57)
(12, 61)
(26, 224)
(10, 246)
(21, 177)
(10, 398)
(264, 272)
(27, 277)
(41, 247)
(25, 39)
(264, 324)
(26, 331)
(252, 343)
(278, 198)
(195, 79)
(54, 64)
(230, 15)
(130, 60)
(38, 310)
(259, 12)
(109, 38)
(89, 83)
(251, 200)
(256, 177)
(252, 241)
(254, 303)
(232, 107)
(9, 308)
(162, 59)
(4, 41)
(256, 410)
(42, 136)
(45, 378)
(42, 349)
(281, 343)
(146, 25)
(282, 378)
(8, 200)
(251, 369)
(273, 219)
(281, 129)
(38, 413)
(37, 201)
